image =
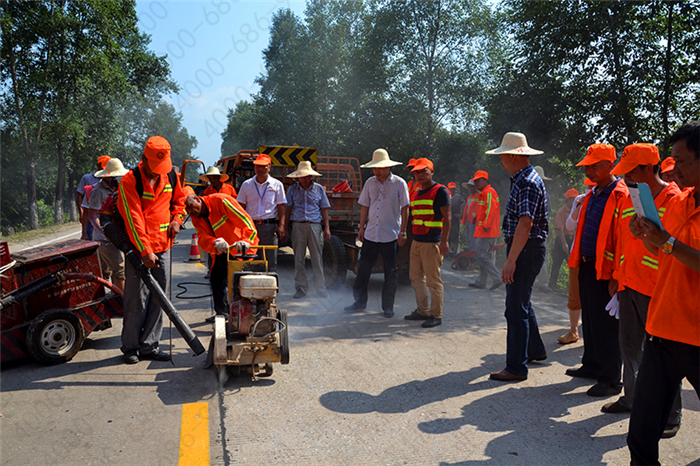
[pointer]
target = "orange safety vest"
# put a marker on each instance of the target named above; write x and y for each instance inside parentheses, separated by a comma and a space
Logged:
(413, 189)
(470, 209)
(638, 267)
(605, 260)
(147, 218)
(423, 211)
(489, 214)
(227, 219)
(674, 309)
(225, 189)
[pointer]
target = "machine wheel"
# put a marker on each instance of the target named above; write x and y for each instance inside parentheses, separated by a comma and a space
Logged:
(284, 336)
(335, 261)
(55, 336)
(267, 370)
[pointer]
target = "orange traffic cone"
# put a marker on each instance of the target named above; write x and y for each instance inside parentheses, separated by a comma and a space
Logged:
(194, 249)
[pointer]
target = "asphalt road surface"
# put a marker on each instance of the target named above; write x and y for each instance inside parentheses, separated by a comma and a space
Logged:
(360, 389)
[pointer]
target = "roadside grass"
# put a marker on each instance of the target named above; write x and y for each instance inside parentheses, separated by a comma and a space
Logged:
(28, 235)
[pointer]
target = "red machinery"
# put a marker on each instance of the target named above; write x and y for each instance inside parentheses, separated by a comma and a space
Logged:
(52, 298)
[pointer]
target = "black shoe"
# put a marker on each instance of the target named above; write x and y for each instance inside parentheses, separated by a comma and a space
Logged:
(432, 322)
(388, 313)
(210, 320)
(155, 356)
(580, 372)
(616, 407)
(541, 357)
(355, 307)
(670, 432)
(476, 285)
(299, 294)
(416, 316)
(602, 389)
(495, 286)
(131, 358)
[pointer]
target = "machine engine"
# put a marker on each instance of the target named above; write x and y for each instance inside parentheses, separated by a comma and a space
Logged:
(253, 300)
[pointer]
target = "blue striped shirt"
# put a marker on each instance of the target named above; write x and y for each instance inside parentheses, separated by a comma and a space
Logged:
(527, 198)
(594, 213)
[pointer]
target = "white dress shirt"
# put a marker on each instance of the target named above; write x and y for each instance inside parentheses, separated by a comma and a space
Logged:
(261, 200)
(385, 201)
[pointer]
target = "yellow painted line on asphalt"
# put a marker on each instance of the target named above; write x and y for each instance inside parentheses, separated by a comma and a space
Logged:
(194, 435)
(199, 264)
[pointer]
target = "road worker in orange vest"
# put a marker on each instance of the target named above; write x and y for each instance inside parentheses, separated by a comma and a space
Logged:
(217, 179)
(471, 208)
(432, 218)
(594, 254)
(486, 231)
(152, 217)
(220, 222)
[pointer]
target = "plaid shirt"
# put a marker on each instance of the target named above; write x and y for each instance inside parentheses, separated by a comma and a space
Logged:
(528, 197)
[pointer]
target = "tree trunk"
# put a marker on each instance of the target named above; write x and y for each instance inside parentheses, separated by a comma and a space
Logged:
(668, 76)
(60, 183)
(72, 185)
(623, 100)
(33, 215)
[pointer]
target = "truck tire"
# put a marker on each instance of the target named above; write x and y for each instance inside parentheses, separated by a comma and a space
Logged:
(335, 262)
(55, 336)
(284, 336)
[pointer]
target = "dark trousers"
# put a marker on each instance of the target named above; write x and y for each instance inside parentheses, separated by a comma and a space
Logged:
(523, 338)
(218, 278)
(368, 257)
(267, 237)
(601, 343)
(558, 256)
(664, 364)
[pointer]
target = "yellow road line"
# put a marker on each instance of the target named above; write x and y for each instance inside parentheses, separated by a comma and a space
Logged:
(199, 264)
(194, 435)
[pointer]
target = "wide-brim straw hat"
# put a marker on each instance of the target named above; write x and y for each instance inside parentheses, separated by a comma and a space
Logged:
(380, 159)
(540, 171)
(114, 167)
(304, 169)
(516, 144)
(466, 184)
(214, 171)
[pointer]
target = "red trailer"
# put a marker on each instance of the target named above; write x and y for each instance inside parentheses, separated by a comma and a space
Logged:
(52, 298)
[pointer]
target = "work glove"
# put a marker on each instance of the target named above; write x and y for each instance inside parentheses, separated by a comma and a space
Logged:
(220, 245)
(614, 307)
(242, 246)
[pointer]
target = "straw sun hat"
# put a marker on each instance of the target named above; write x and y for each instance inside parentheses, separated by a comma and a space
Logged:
(213, 171)
(114, 167)
(380, 159)
(514, 143)
(304, 169)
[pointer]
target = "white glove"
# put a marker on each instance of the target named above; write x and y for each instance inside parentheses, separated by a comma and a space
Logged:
(614, 307)
(242, 246)
(220, 245)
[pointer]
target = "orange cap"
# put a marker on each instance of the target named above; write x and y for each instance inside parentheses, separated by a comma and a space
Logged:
(263, 159)
(596, 153)
(188, 191)
(634, 155)
(421, 164)
(572, 193)
(480, 174)
(157, 153)
(411, 163)
(588, 182)
(102, 160)
(668, 164)
(452, 185)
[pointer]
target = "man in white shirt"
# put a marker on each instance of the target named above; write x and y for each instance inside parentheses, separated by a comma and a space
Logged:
(383, 217)
(261, 196)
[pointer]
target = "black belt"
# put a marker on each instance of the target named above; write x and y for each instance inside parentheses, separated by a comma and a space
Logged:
(267, 220)
(306, 221)
(529, 240)
(588, 258)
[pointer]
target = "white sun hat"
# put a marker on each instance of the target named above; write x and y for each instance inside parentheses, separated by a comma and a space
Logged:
(114, 167)
(380, 159)
(540, 171)
(213, 171)
(514, 143)
(304, 169)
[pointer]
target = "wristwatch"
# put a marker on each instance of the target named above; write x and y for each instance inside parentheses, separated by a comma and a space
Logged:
(667, 247)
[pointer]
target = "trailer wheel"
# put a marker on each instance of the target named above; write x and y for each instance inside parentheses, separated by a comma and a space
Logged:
(335, 262)
(284, 336)
(55, 336)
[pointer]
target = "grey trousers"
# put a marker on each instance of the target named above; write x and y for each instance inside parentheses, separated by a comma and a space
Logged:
(308, 235)
(143, 317)
(486, 266)
(633, 317)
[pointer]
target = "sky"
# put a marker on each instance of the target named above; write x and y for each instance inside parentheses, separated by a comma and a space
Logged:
(214, 49)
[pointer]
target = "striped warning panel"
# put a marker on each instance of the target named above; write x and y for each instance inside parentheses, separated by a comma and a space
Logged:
(290, 155)
(12, 343)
